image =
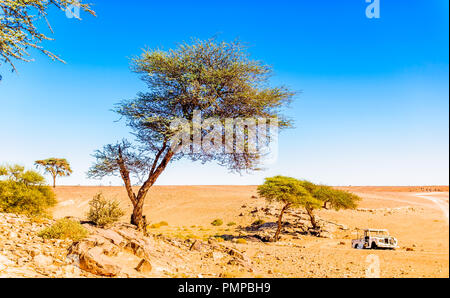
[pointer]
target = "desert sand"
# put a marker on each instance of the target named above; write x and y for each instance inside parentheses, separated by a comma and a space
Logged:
(416, 216)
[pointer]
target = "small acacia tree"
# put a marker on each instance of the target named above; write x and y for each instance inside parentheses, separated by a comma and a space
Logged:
(335, 199)
(55, 167)
(19, 28)
(219, 81)
(290, 192)
(328, 197)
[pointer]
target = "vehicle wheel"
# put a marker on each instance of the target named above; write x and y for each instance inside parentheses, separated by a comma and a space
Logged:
(373, 246)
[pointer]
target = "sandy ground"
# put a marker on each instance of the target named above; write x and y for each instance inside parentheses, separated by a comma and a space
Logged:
(416, 216)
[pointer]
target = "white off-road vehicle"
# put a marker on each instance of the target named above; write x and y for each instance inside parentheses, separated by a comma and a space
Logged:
(375, 239)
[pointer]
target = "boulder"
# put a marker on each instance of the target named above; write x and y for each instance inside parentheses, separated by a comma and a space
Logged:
(95, 262)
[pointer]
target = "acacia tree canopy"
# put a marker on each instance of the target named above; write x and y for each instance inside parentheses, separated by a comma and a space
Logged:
(19, 30)
(218, 81)
(323, 194)
(56, 167)
(337, 199)
(286, 190)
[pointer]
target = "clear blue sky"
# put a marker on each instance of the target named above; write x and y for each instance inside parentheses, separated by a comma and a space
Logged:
(374, 107)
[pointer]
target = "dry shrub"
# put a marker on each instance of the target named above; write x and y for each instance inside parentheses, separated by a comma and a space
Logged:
(217, 222)
(104, 212)
(64, 229)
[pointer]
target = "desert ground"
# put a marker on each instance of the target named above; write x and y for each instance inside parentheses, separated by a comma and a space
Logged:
(416, 216)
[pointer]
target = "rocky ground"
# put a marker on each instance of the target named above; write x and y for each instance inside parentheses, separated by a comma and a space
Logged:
(118, 251)
(24, 254)
(191, 247)
(121, 251)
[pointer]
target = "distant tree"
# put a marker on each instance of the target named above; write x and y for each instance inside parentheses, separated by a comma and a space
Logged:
(336, 199)
(55, 167)
(294, 193)
(24, 192)
(19, 30)
(290, 192)
(216, 79)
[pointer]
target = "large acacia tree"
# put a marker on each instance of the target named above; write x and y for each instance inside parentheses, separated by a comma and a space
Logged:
(20, 30)
(216, 79)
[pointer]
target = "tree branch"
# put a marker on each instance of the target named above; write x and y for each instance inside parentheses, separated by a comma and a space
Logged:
(126, 177)
(155, 162)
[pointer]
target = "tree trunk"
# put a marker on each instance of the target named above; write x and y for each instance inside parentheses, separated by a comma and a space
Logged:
(312, 217)
(277, 234)
(54, 181)
(137, 217)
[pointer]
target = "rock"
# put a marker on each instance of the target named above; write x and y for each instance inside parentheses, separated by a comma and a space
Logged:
(137, 247)
(128, 233)
(42, 261)
(343, 227)
(110, 249)
(197, 245)
(71, 271)
(242, 263)
(97, 252)
(217, 256)
(5, 262)
(22, 261)
(93, 240)
(95, 262)
(325, 234)
(73, 259)
(33, 252)
(237, 254)
(144, 266)
(112, 236)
